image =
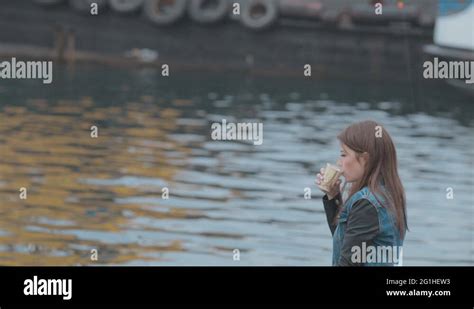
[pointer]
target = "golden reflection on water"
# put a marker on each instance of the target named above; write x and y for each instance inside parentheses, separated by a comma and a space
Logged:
(46, 147)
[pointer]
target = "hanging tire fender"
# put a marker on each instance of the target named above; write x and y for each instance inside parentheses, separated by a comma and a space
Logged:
(157, 12)
(126, 6)
(259, 14)
(199, 12)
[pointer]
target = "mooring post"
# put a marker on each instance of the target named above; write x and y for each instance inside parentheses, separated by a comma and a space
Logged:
(59, 43)
(71, 45)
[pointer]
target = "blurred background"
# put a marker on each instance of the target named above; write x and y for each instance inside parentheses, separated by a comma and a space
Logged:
(154, 131)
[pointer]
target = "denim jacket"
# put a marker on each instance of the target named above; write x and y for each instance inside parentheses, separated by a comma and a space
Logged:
(388, 237)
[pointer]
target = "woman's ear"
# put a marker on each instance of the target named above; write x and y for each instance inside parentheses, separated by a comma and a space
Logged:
(365, 157)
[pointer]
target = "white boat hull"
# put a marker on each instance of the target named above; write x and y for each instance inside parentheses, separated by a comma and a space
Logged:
(455, 30)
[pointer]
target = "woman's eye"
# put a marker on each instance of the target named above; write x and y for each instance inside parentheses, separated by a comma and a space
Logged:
(343, 155)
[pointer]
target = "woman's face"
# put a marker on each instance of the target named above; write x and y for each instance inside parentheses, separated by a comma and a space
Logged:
(351, 164)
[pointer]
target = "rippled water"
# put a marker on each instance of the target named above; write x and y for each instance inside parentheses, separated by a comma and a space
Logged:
(105, 193)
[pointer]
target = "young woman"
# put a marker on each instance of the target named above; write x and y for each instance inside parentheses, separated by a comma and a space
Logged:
(371, 223)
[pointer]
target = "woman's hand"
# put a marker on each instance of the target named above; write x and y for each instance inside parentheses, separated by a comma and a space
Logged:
(333, 191)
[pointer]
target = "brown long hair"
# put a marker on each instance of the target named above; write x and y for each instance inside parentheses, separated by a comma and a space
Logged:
(381, 168)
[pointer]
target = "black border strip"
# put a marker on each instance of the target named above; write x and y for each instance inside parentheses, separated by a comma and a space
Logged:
(239, 285)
